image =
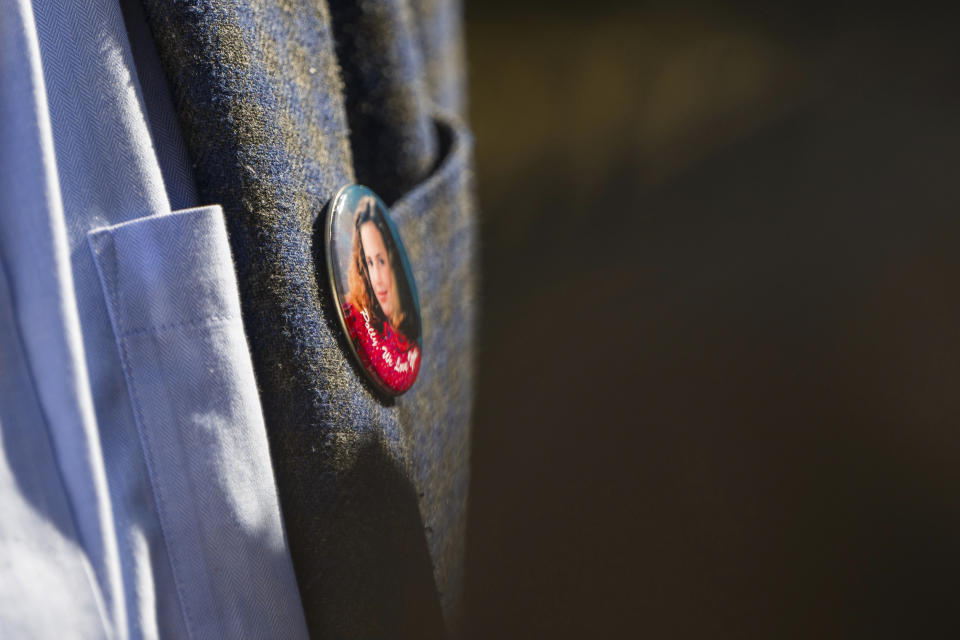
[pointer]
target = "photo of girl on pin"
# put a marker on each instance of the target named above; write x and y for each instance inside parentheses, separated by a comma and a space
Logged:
(380, 309)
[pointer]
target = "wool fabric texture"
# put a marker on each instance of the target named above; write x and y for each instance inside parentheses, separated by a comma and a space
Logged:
(281, 103)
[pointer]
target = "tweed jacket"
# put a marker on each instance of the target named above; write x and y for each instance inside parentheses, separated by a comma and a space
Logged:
(280, 104)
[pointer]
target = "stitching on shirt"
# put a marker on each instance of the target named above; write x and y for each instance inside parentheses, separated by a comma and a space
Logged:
(177, 325)
(116, 295)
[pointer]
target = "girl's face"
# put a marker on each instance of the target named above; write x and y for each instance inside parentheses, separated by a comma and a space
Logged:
(378, 267)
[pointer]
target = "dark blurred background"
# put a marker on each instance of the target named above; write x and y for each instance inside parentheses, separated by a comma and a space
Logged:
(720, 344)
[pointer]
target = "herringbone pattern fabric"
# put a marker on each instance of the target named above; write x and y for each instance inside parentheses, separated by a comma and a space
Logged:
(169, 286)
(154, 419)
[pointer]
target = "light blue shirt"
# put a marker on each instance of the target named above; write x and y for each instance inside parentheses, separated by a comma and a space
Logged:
(136, 491)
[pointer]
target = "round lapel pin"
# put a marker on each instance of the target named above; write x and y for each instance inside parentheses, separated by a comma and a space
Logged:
(373, 288)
